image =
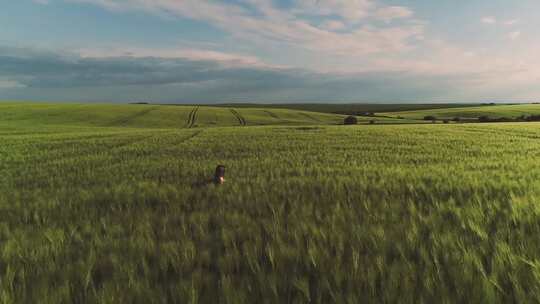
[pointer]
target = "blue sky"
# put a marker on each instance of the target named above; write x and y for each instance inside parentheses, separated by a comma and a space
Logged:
(270, 50)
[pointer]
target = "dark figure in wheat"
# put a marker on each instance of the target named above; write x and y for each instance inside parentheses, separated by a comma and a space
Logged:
(219, 175)
(218, 179)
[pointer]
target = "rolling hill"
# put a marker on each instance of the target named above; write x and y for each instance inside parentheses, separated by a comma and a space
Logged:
(113, 204)
(492, 111)
(352, 108)
(163, 116)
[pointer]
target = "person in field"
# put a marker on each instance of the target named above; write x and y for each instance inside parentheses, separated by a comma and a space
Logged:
(219, 176)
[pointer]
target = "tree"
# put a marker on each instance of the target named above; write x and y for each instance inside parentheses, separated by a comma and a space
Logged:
(484, 118)
(350, 120)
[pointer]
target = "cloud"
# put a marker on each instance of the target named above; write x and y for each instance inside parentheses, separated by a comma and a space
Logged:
(195, 76)
(259, 21)
(35, 68)
(489, 20)
(495, 21)
(390, 13)
(224, 59)
(10, 84)
(199, 76)
(511, 22)
(351, 49)
(333, 25)
(350, 10)
(514, 35)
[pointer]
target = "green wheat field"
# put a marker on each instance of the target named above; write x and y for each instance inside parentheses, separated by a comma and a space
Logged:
(109, 204)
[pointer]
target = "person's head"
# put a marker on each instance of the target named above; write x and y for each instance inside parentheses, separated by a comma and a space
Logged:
(219, 176)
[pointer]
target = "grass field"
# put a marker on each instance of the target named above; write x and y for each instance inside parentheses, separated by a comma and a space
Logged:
(492, 111)
(158, 116)
(154, 116)
(100, 209)
(353, 108)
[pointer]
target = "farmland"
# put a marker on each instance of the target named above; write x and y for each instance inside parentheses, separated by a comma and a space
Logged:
(493, 111)
(354, 108)
(154, 116)
(110, 204)
(159, 116)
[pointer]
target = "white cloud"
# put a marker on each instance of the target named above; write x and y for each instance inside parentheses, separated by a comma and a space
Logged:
(333, 25)
(10, 84)
(493, 21)
(224, 59)
(362, 48)
(336, 36)
(350, 10)
(271, 25)
(511, 22)
(489, 20)
(514, 35)
(393, 12)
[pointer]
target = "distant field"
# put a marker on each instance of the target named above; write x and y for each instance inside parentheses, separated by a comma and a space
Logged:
(160, 116)
(100, 204)
(155, 116)
(495, 111)
(353, 108)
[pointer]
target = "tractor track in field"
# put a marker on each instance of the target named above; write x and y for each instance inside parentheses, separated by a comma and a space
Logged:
(306, 115)
(241, 120)
(190, 137)
(192, 118)
(126, 119)
(272, 114)
(113, 148)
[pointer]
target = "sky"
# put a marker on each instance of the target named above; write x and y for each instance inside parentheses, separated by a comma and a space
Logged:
(270, 51)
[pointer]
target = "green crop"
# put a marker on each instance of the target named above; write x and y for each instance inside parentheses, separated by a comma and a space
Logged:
(311, 213)
(159, 116)
(493, 111)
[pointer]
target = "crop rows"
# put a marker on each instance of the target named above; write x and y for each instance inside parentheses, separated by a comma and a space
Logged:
(431, 213)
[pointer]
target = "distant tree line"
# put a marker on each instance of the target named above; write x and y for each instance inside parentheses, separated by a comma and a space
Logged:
(485, 118)
(527, 118)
